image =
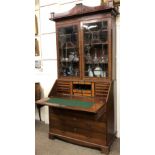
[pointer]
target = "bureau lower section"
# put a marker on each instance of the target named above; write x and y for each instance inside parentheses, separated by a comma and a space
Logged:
(79, 127)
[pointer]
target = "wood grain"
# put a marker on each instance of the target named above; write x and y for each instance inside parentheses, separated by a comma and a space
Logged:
(93, 126)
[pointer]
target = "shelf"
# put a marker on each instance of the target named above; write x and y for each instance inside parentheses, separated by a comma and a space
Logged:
(90, 32)
(69, 48)
(75, 47)
(69, 61)
(69, 34)
(95, 77)
(99, 43)
(96, 63)
(69, 76)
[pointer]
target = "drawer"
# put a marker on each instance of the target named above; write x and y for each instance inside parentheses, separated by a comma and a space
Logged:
(76, 135)
(81, 91)
(76, 130)
(72, 113)
(82, 94)
(74, 122)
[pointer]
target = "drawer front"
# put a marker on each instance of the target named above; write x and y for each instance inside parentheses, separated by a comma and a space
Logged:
(76, 130)
(82, 94)
(74, 122)
(79, 134)
(74, 114)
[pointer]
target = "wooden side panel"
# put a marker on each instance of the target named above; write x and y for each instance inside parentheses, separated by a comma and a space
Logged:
(53, 90)
(110, 116)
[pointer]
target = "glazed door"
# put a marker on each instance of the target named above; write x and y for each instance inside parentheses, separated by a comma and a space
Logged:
(96, 49)
(68, 52)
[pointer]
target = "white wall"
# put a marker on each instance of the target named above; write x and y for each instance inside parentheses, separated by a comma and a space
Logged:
(48, 49)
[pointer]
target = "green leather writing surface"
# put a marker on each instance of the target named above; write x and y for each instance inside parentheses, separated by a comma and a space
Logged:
(72, 103)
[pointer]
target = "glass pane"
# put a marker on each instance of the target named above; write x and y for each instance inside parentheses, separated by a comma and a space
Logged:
(96, 49)
(68, 51)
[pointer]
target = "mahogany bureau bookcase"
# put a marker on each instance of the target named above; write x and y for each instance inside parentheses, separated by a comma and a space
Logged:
(81, 101)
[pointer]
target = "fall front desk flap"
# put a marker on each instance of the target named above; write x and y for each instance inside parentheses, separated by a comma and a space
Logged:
(73, 103)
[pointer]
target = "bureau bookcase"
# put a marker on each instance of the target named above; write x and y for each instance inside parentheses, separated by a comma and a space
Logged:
(81, 101)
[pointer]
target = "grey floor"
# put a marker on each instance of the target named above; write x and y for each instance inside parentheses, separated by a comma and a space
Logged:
(45, 146)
